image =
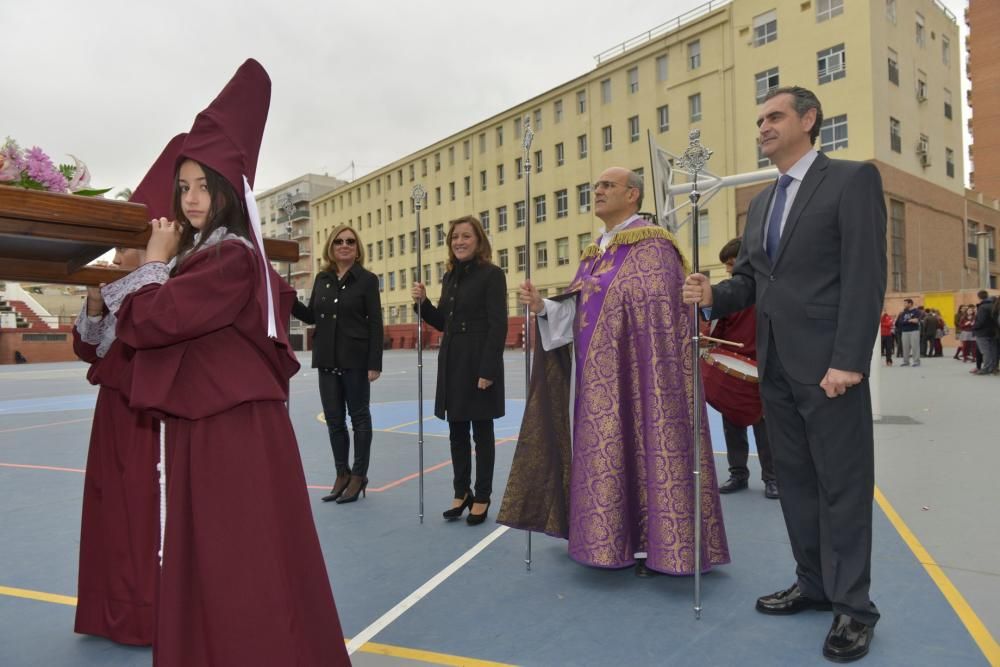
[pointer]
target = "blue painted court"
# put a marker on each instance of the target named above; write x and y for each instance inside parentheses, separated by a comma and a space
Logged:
(451, 594)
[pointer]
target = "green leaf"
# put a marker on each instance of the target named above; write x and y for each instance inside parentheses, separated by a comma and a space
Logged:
(67, 170)
(92, 192)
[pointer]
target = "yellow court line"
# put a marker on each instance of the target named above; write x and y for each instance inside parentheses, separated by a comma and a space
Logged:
(965, 613)
(370, 647)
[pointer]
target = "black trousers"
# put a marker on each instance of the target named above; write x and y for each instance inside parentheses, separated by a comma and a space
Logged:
(343, 391)
(824, 456)
(888, 342)
(738, 450)
(461, 457)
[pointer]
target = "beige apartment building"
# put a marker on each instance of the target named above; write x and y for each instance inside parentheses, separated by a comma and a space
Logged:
(887, 72)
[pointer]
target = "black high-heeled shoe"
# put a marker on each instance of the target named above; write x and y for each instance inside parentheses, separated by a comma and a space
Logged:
(354, 489)
(476, 519)
(339, 486)
(456, 512)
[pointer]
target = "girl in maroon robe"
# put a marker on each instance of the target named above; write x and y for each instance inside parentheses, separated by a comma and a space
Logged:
(243, 580)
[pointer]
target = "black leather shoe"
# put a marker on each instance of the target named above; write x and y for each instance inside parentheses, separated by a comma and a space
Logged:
(734, 484)
(790, 601)
(771, 489)
(456, 512)
(476, 519)
(644, 572)
(848, 639)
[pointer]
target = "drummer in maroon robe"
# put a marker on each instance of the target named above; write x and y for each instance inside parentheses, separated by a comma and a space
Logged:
(119, 531)
(739, 401)
(243, 579)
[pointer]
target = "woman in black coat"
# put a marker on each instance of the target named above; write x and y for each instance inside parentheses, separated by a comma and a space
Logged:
(347, 350)
(472, 313)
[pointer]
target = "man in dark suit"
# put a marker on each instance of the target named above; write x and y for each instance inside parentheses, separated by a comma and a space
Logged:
(813, 260)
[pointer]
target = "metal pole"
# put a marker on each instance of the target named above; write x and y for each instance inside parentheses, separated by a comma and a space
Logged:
(526, 144)
(417, 195)
(693, 161)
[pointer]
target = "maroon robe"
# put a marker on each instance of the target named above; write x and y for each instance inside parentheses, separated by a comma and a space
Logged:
(119, 530)
(243, 579)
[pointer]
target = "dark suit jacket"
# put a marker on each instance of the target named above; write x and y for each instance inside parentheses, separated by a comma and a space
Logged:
(348, 319)
(821, 299)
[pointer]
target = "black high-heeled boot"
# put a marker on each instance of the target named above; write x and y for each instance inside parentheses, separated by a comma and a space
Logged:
(476, 519)
(456, 512)
(354, 489)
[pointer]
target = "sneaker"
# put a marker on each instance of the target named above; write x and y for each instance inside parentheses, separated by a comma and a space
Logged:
(916, 363)
(905, 363)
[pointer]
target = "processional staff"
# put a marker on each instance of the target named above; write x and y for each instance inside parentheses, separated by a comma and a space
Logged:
(693, 162)
(418, 195)
(526, 144)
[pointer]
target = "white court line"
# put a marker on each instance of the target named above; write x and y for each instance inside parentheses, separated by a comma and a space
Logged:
(413, 598)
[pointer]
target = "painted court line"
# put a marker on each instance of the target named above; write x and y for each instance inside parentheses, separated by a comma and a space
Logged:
(30, 428)
(34, 467)
(987, 644)
(413, 598)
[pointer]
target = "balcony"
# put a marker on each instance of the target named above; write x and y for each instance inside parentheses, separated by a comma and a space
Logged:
(297, 214)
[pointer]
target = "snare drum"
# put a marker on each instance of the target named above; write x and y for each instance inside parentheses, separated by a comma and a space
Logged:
(731, 385)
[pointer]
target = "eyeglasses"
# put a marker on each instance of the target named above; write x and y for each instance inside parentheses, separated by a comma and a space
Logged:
(343, 241)
(608, 185)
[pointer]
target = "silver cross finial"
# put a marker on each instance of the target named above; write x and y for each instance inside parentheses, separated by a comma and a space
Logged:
(418, 194)
(529, 134)
(695, 155)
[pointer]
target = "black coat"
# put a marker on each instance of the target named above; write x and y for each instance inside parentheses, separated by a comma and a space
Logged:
(348, 319)
(472, 313)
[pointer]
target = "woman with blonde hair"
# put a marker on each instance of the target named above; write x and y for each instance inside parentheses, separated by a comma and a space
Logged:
(472, 313)
(347, 351)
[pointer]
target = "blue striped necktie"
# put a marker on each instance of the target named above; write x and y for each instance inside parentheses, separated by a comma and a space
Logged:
(774, 222)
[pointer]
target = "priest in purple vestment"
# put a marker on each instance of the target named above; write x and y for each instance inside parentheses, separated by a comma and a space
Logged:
(623, 493)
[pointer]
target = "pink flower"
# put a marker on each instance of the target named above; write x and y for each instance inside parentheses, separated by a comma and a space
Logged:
(8, 169)
(41, 170)
(81, 176)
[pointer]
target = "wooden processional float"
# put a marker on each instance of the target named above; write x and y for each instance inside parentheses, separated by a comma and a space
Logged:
(47, 237)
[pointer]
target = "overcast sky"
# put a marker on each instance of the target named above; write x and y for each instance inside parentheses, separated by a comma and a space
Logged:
(111, 81)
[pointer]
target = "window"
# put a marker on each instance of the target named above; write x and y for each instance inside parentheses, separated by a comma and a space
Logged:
(522, 257)
(971, 242)
(518, 167)
(501, 218)
(890, 11)
(562, 203)
(414, 274)
(947, 103)
(581, 144)
(499, 174)
(541, 254)
(392, 247)
(381, 282)
(633, 129)
(924, 151)
(540, 209)
(827, 9)
(831, 64)
(520, 214)
(538, 162)
(503, 260)
(482, 143)
(402, 243)
(427, 274)
(606, 137)
(562, 251)
(437, 195)
(694, 107)
(451, 156)
(484, 218)
(537, 116)
(921, 32)
(379, 247)
(765, 82)
(370, 253)
(583, 197)
(399, 177)
(413, 177)
(451, 191)
(413, 240)
(423, 166)
(663, 118)
(500, 134)
(632, 77)
(581, 101)
(439, 270)
(949, 162)
(437, 162)
(921, 86)
(945, 50)
(466, 149)
(606, 91)
(517, 129)
(560, 154)
(482, 180)
(765, 29)
(582, 241)
(762, 160)
(439, 233)
(402, 277)
(893, 67)
(467, 182)
(392, 283)
(991, 253)
(662, 66)
(694, 54)
(427, 237)
(895, 136)
(833, 133)
(557, 111)
(704, 228)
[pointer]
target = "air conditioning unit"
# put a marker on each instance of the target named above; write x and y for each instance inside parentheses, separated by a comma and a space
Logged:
(923, 154)
(921, 97)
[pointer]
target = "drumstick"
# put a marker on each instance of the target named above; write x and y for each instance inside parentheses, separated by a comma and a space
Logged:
(722, 342)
